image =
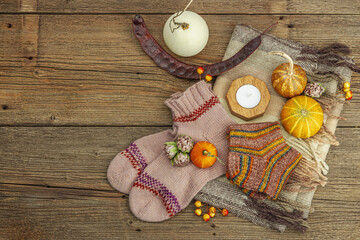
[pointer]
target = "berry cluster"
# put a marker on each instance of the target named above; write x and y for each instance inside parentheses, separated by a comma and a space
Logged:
(210, 211)
(200, 71)
(348, 92)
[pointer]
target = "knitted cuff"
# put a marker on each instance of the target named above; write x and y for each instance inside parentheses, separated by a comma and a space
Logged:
(192, 103)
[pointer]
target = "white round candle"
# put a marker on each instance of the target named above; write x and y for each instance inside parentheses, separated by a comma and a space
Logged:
(248, 96)
(186, 42)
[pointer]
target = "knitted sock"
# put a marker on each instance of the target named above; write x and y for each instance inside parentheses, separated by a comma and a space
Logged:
(131, 162)
(162, 190)
(260, 162)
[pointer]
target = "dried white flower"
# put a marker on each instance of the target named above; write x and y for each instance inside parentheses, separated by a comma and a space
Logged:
(185, 143)
(314, 90)
(181, 160)
(171, 149)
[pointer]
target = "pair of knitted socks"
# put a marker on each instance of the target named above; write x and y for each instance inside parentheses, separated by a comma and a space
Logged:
(157, 189)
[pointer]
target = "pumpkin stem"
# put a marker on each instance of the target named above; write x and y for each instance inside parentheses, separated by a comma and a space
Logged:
(206, 153)
(304, 112)
(284, 55)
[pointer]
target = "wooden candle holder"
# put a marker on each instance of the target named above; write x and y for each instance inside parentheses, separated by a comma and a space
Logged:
(248, 113)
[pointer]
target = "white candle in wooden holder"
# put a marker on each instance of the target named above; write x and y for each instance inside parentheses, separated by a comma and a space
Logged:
(248, 97)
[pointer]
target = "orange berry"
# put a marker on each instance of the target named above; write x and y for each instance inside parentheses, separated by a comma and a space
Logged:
(198, 212)
(197, 204)
(349, 95)
(212, 214)
(200, 70)
(346, 89)
(208, 78)
(224, 212)
(346, 85)
(212, 210)
(206, 217)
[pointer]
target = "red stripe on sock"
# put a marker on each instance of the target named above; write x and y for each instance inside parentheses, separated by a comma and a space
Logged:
(169, 209)
(198, 112)
(132, 160)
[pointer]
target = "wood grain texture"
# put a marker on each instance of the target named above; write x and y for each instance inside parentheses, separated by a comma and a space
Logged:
(53, 186)
(34, 213)
(200, 6)
(92, 70)
(28, 5)
(78, 157)
(76, 64)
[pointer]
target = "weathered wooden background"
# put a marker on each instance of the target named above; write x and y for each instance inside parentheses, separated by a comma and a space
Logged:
(76, 88)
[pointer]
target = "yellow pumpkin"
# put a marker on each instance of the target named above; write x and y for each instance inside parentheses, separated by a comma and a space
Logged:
(288, 79)
(302, 116)
(203, 154)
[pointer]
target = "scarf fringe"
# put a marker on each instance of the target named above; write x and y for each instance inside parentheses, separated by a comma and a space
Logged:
(295, 188)
(326, 76)
(331, 62)
(290, 219)
(307, 176)
(320, 162)
(328, 56)
(293, 204)
(328, 100)
(325, 136)
(335, 117)
(335, 48)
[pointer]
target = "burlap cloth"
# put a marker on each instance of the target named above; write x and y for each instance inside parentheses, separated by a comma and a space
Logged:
(294, 202)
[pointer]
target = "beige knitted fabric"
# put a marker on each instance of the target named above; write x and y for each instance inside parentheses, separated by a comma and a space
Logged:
(128, 164)
(162, 190)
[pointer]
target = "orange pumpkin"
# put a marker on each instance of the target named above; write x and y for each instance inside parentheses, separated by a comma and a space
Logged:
(302, 116)
(203, 154)
(288, 79)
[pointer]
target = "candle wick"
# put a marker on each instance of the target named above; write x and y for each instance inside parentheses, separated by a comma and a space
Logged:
(249, 94)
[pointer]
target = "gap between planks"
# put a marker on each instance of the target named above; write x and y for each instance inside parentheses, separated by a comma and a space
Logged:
(169, 13)
(85, 126)
(62, 187)
(104, 126)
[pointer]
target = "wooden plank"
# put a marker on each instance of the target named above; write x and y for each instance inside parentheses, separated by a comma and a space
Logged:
(92, 70)
(30, 33)
(78, 157)
(28, 5)
(29, 212)
(204, 7)
(53, 186)
(61, 156)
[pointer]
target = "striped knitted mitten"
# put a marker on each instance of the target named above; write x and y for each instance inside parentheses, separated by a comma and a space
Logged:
(162, 190)
(259, 161)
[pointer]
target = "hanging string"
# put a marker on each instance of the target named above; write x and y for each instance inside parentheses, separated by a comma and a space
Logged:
(184, 25)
